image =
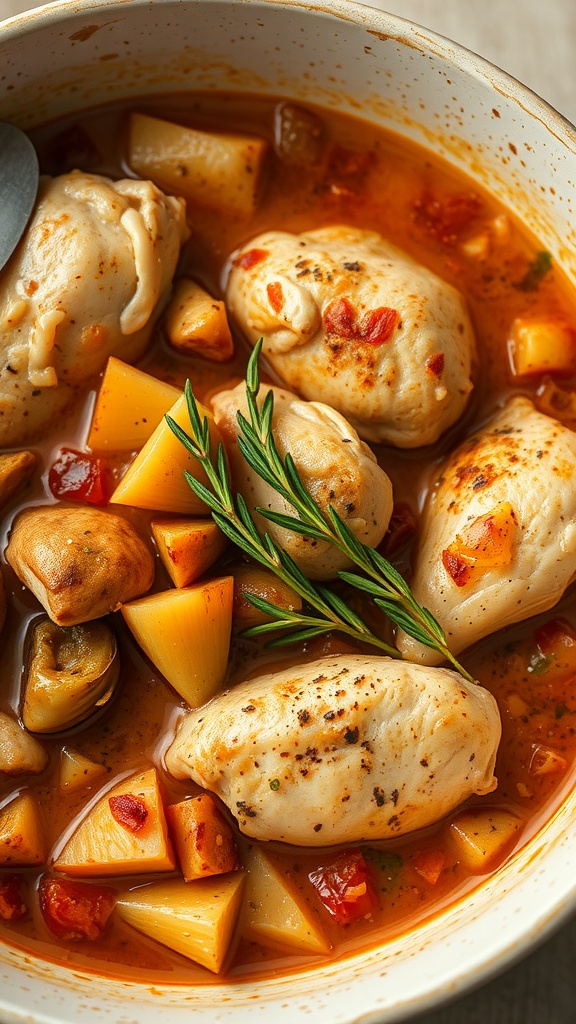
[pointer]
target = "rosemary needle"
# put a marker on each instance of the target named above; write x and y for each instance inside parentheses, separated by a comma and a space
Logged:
(379, 578)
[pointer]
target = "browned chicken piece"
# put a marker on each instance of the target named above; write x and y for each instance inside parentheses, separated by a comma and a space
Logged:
(19, 752)
(342, 749)
(498, 532)
(81, 563)
(335, 466)
(88, 280)
(16, 468)
(350, 320)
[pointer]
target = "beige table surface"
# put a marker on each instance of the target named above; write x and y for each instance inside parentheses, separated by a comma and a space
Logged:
(534, 40)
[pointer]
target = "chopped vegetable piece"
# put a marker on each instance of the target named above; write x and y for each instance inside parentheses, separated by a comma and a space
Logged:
(19, 752)
(429, 864)
(401, 529)
(13, 906)
(75, 910)
(72, 674)
(275, 911)
(538, 268)
(79, 476)
(196, 919)
(483, 836)
(297, 135)
(542, 346)
(101, 845)
(555, 654)
(77, 771)
(187, 547)
(209, 168)
(345, 887)
(186, 634)
(22, 836)
(16, 468)
(203, 838)
(448, 218)
(156, 477)
(129, 407)
(545, 761)
(197, 324)
(263, 584)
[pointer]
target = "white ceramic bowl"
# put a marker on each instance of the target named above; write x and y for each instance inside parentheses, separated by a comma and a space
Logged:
(73, 54)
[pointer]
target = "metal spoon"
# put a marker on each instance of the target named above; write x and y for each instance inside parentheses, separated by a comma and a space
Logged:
(18, 186)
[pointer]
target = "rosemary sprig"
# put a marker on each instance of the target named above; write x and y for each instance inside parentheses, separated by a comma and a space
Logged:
(235, 520)
(381, 580)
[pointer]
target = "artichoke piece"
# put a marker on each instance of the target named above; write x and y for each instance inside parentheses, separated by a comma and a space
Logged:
(73, 672)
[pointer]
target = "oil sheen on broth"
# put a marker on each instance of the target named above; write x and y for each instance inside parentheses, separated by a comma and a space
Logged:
(328, 170)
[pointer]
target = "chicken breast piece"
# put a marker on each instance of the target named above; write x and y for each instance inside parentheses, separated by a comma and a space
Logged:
(87, 281)
(350, 320)
(335, 466)
(498, 532)
(343, 749)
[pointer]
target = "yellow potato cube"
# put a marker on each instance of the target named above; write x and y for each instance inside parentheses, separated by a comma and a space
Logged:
(125, 832)
(208, 168)
(275, 912)
(263, 583)
(129, 407)
(155, 479)
(77, 771)
(196, 919)
(186, 634)
(203, 838)
(197, 324)
(542, 346)
(483, 836)
(187, 547)
(22, 835)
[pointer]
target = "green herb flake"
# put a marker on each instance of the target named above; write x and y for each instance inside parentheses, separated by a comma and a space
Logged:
(537, 269)
(274, 784)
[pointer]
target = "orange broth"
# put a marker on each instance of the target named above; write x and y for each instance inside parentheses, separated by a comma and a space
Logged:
(377, 181)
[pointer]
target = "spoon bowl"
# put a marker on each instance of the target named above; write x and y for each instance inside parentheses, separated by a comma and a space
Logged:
(18, 186)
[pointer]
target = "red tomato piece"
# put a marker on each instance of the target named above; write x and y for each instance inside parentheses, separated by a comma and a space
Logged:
(401, 529)
(345, 887)
(129, 811)
(75, 910)
(12, 905)
(78, 476)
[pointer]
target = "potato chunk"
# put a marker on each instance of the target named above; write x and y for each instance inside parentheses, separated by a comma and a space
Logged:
(542, 345)
(19, 752)
(129, 407)
(482, 836)
(77, 771)
(186, 634)
(197, 324)
(274, 912)
(187, 547)
(203, 838)
(124, 833)
(156, 477)
(16, 468)
(196, 919)
(209, 168)
(81, 563)
(22, 837)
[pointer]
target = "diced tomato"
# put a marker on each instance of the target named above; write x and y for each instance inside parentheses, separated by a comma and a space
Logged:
(129, 811)
(75, 910)
(374, 328)
(345, 887)
(429, 864)
(251, 258)
(12, 905)
(458, 570)
(79, 476)
(448, 218)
